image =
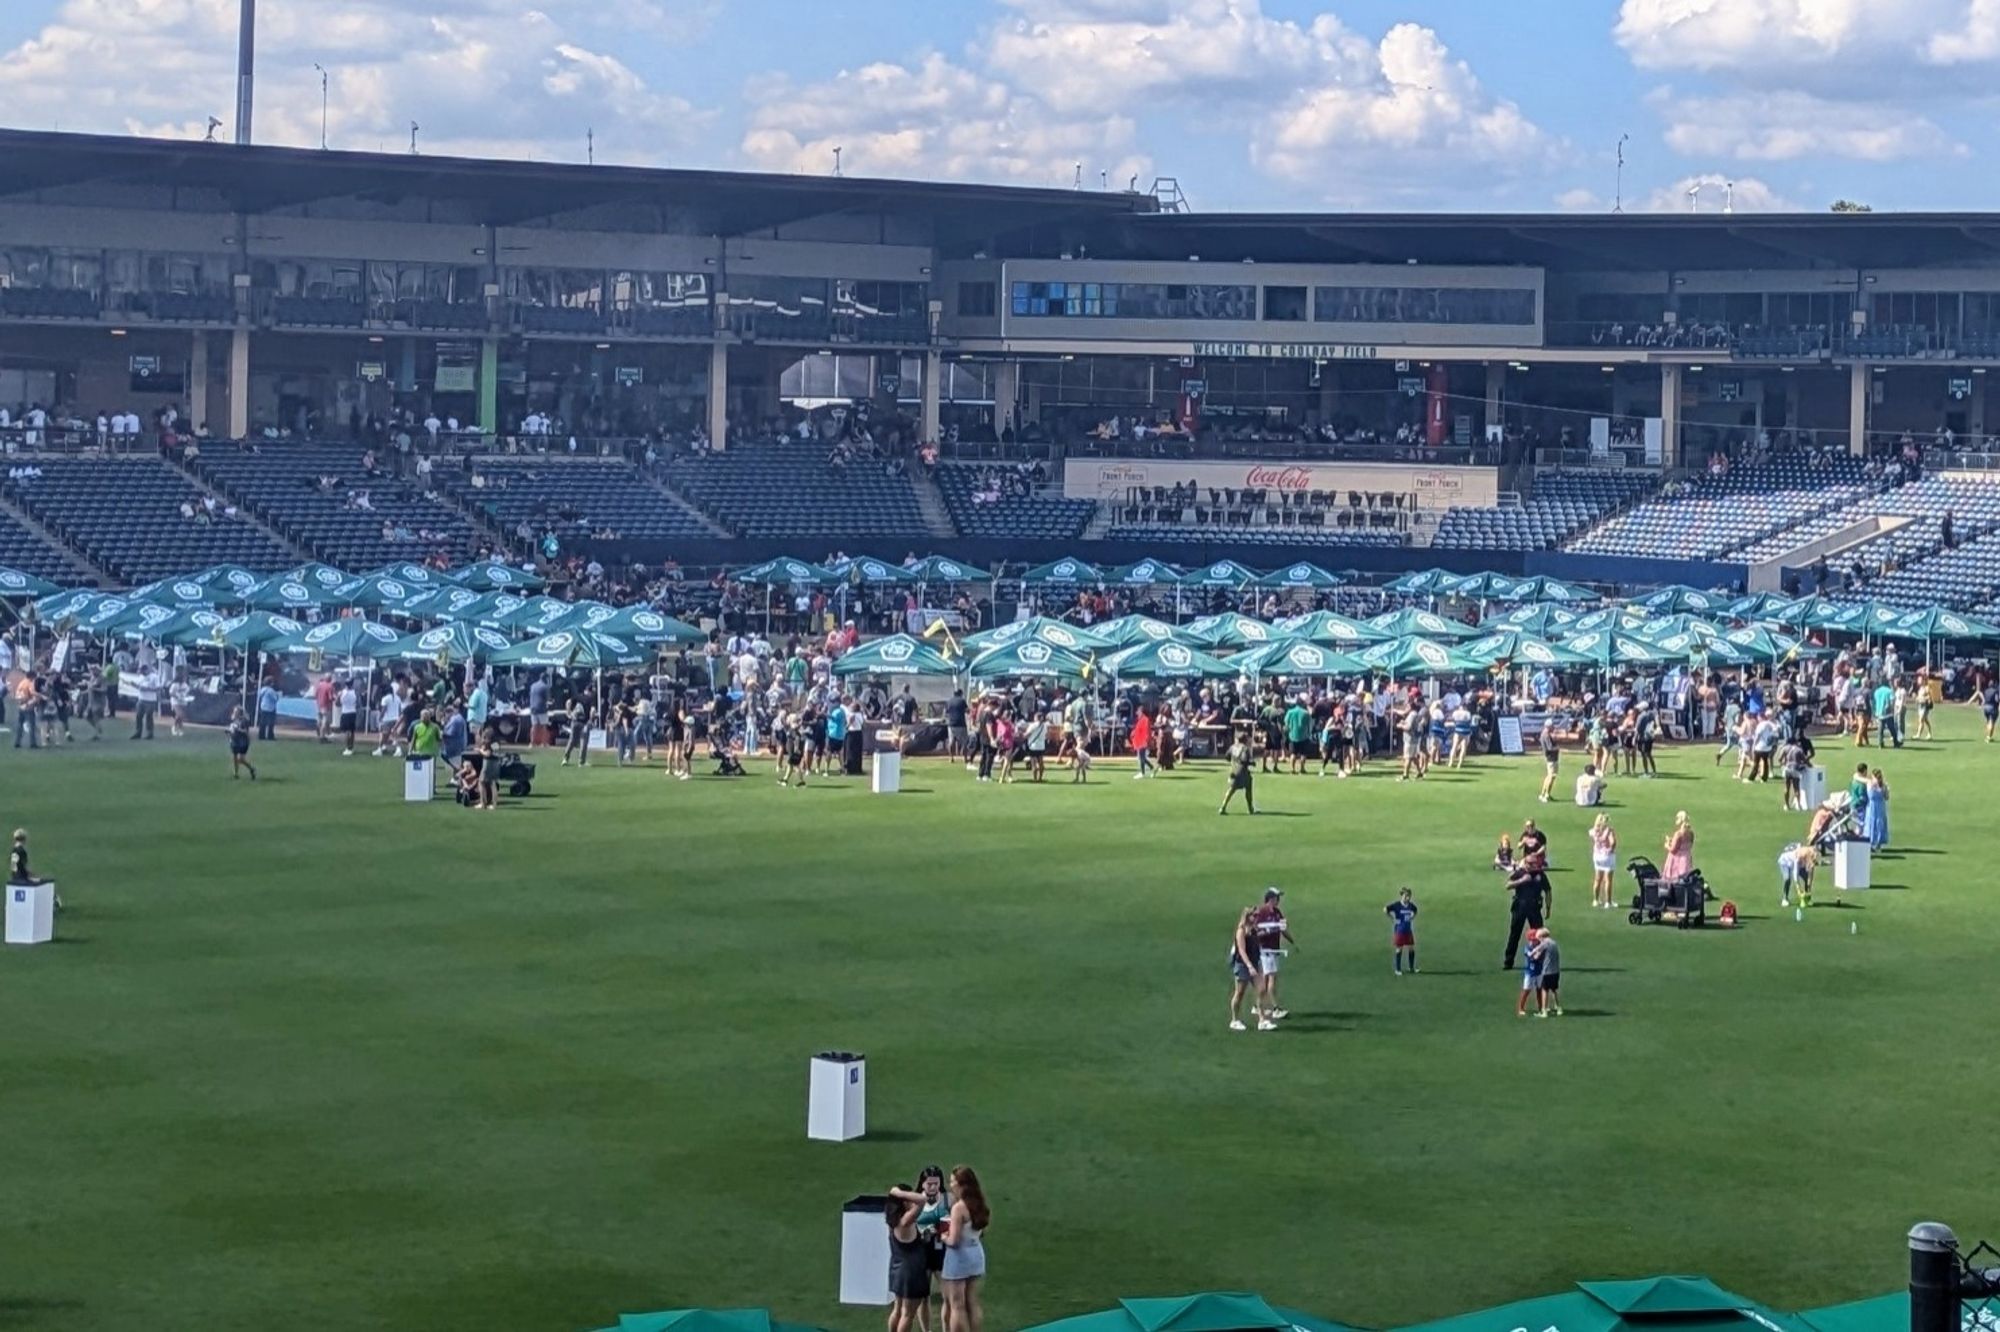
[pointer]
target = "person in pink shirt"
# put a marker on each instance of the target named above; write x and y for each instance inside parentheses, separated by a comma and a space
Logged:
(323, 705)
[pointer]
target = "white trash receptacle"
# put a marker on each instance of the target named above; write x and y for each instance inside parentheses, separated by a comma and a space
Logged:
(1812, 786)
(864, 1251)
(31, 913)
(600, 739)
(419, 779)
(886, 777)
(837, 1106)
(1852, 862)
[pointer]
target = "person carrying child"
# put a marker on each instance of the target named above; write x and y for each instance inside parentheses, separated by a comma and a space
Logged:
(1546, 954)
(1531, 974)
(1402, 915)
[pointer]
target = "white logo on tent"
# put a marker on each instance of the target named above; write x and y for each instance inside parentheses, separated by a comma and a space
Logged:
(327, 577)
(550, 644)
(321, 632)
(152, 615)
(1536, 652)
(614, 643)
(205, 619)
(1066, 569)
(797, 570)
(506, 604)
(1301, 572)
(1035, 654)
(1952, 623)
(873, 569)
(1176, 656)
(393, 590)
(188, 591)
(295, 592)
(1218, 571)
(1432, 654)
(597, 615)
(1585, 642)
(434, 640)
(283, 625)
(1060, 636)
(1430, 623)
(1253, 631)
(648, 621)
(1153, 629)
(491, 639)
(948, 569)
(898, 649)
(12, 579)
(500, 574)
(1308, 658)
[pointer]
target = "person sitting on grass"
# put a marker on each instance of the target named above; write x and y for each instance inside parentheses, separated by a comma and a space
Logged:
(467, 781)
(1503, 856)
(1589, 786)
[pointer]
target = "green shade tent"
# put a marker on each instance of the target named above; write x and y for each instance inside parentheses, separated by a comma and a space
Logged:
(572, 648)
(187, 591)
(1618, 619)
(1871, 619)
(1420, 624)
(536, 615)
(1226, 574)
(322, 576)
(1330, 630)
(1214, 1311)
(1068, 571)
(444, 603)
(1143, 573)
(1805, 613)
(1883, 1313)
(786, 571)
(704, 1320)
(1401, 658)
(418, 576)
(898, 654)
(645, 626)
(1654, 1304)
(1680, 597)
(1758, 606)
(1937, 622)
(229, 580)
(497, 576)
(1709, 651)
(1481, 586)
(1294, 657)
(1543, 621)
(1761, 644)
(591, 615)
(165, 624)
(1129, 630)
(256, 630)
(1670, 626)
(1164, 661)
(1039, 628)
(1515, 648)
(98, 614)
(381, 593)
(291, 594)
(14, 583)
(1425, 582)
(938, 569)
(1606, 648)
(453, 642)
(868, 571)
(1542, 588)
(1302, 577)
(349, 637)
(1029, 658)
(1229, 631)
(74, 604)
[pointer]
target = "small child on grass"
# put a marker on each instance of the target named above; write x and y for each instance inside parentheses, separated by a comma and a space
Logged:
(1402, 915)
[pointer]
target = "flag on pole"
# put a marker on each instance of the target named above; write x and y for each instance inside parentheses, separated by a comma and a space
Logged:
(939, 628)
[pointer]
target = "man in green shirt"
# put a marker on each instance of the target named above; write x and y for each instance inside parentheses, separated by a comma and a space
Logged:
(426, 737)
(1298, 729)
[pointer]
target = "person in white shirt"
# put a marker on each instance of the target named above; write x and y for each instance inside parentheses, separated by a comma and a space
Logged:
(349, 706)
(390, 720)
(147, 687)
(431, 427)
(1589, 786)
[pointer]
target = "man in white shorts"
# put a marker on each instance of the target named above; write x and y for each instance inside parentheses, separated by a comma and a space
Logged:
(1271, 933)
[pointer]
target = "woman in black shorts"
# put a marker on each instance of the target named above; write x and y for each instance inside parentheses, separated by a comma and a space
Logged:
(239, 744)
(909, 1260)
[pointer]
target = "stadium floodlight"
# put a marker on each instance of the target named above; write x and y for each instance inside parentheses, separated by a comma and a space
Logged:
(1694, 197)
(322, 104)
(1728, 196)
(836, 159)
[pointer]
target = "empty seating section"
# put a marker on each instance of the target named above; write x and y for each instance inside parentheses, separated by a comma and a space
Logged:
(316, 311)
(786, 489)
(47, 303)
(1331, 535)
(279, 483)
(1966, 577)
(1565, 503)
(1033, 517)
(1799, 343)
(124, 515)
(190, 307)
(590, 494)
(1719, 514)
(23, 550)
(1973, 502)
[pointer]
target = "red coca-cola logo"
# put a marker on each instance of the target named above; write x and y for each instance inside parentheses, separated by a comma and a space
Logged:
(1279, 478)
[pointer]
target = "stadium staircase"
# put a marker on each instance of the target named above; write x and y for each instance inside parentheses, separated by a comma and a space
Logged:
(930, 503)
(659, 484)
(244, 512)
(32, 548)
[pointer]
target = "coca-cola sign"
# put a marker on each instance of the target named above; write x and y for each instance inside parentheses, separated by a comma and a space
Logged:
(1278, 478)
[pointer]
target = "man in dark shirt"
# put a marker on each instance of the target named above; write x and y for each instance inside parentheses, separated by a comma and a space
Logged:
(1532, 898)
(1239, 773)
(954, 719)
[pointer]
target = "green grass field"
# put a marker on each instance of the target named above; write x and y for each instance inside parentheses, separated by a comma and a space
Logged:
(307, 1057)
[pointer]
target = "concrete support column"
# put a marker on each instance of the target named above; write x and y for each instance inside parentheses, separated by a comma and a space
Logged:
(1857, 409)
(489, 384)
(1496, 388)
(927, 429)
(198, 378)
(1670, 416)
(239, 383)
(1006, 394)
(718, 395)
(406, 372)
(1975, 408)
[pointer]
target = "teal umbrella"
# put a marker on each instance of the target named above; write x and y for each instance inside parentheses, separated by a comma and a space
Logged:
(375, 592)
(1230, 631)
(1426, 582)
(149, 619)
(938, 569)
(418, 576)
(1870, 618)
(75, 604)
(593, 615)
(565, 649)
(1029, 658)
(97, 614)
(1518, 649)
(1653, 1304)
(1164, 661)
(188, 591)
(786, 571)
(1680, 597)
(453, 642)
(1212, 1311)
(646, 626)
(322, 576)
(444, 603)
(1420, 624)
(1143, 573)
(868, 571)
(189, 627)
(1758, 606)
(705, 1320)
(1225, 574)
(497, 576)
(1330, 630)
(1668, 626)
(231, 581)
(1129, 630)
(898, 654)
(1481, 586)
(1617, 619)
(14, 584)
(536, 615)
(349, 637)
(1606, 648)
(1065, 571)
(1056, 633)
(291, 594)
(258, 629)
(1542, 588)
(1762, 645)
(1937, 622)
(1401, 658)
(1303, 576)
(1294, 657)
(1883, 1313)
(1542, 621)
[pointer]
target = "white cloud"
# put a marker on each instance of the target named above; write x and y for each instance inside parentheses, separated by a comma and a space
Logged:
(1580, 200)
(1785, 125)
(486, 77)
(1745, 194)
(933, 118)
(1818, 40)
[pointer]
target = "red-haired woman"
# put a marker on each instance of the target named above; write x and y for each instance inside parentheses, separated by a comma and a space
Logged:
(965, 1253)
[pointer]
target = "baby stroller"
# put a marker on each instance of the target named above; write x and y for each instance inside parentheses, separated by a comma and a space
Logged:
(1834, 821)
(1659, 901)
(516, 772)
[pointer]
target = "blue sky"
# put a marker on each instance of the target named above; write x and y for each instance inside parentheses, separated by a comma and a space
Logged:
(1431, 104)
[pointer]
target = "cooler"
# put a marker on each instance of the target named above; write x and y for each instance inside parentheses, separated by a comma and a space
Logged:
(886, 774)
(419, 779)
(1851, 864)
(864, 1251)
(31, 913)
(837, 1106)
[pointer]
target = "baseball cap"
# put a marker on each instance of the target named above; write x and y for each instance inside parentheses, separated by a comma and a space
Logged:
(1270, 894)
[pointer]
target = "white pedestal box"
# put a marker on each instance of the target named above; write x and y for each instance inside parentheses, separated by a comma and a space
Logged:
(886, 778)
(600, 739)
(864, 1251)
(31, 913)
(1852, 862)
(837, 1107)
(1812, 785)
(419, 779)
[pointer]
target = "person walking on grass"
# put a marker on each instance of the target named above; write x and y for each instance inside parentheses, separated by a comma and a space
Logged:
(792, 750)
(239, 744)
(1243, 970)
(1547, 955)
(577, 742)
(1273, 933)
(965, 1252)
(1402, 915)
(1987, 698)
(1076, 747)
(1551, 758)
(1035, 735)
(1239, 775)
(349, 704)
(1298, 732)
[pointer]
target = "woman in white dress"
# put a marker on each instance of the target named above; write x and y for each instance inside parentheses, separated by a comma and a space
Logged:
(1603, 862)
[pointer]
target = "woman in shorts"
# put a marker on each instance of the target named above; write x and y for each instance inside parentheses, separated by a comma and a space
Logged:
(239, 744)
(1243, 971)
(909, 1260)
(1603, 862)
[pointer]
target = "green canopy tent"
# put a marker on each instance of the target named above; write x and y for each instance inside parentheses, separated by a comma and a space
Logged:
(1330, 630)
(349, 638)
(1425, 582)
(1654, 1304)
(1542, 621)
(259, 631)
(939, 569)
(1617, 619)
(1039, 628)
(787, 572)
(78, 603)
(1410, 655)
(591, 615)
(898, 654)
(1420, 624)
(1882, 1313)
(1670, 626)
(381, 593)
(16, 584)
(1213, 1311)
(447, 642)
(150, 620)
(1229, 631)
(443, 603)
(1029, 658)
(1680, 597)
(1130, 630)
(291, 595)
(1811, 612)
(230, 580)
(1513, 648)
(1481, 587)
(418, 576)
(1939, 623)
(1758, 606)
(1544, 589)
(536, 615)
(1068, 571)
(99, 614)
(704, 1320)
(1165, 661)
(1226, 575)
(1606, 648)
(1300, 577)
(1292, 658)
(1143, 573)
(567, 649)
(1763, 645)
(322, 576)
(647, 627)
(188, 591)
(1869, 619)
(1708, 651)
(867, 571)
(497, 576)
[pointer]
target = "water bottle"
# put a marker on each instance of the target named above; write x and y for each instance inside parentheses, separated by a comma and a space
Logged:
(1854, 927)
(1798, 913)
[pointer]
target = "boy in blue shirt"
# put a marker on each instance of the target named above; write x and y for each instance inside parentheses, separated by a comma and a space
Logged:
(1402, 915)
(1531, 975)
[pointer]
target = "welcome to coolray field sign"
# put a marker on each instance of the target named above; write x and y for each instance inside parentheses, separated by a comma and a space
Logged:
(1433, 487)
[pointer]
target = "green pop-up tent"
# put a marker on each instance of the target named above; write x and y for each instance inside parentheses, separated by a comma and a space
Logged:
(1402, 658)
(1039, 628)
(1294, 658)
(451, 642)
(1680, 597)
(704, 1320)
(565, 648)
(1029, 658)
(1330, 630)
(1165, 661)
(898, 654)
(1230, 631)
(1404, 623)
(1131, 630)
(1303, 576)
(1519, 649)
(1543, 621)
(1068, 571)
(1212, 1311)
(15, 583)
(1881, 1313)
(1652, 1304)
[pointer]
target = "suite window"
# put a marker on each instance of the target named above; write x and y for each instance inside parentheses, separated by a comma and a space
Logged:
(1424, 305)
(1285, 304)
(1133, 300)
(977, 300)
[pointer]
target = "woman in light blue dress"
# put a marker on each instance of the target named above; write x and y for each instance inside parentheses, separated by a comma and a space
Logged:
(1875, 823)
(965, 1253)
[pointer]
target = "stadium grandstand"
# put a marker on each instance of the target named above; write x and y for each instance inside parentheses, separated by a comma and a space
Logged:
(216, 352)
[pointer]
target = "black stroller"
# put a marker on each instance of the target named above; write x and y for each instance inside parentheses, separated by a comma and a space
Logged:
(516, 772)
(1659, 901)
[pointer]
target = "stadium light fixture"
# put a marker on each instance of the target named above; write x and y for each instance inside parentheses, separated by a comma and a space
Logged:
(374, 337)
(117, 332)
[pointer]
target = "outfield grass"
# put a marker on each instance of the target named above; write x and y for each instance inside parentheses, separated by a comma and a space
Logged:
(307, 1057)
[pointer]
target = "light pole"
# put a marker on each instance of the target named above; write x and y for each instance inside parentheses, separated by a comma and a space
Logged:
(322, 104)
(1694, 197)
(836, 159)
(1618, 193)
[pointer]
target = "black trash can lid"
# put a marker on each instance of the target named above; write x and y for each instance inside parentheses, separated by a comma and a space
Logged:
(867, 1202)
(839, 1056)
